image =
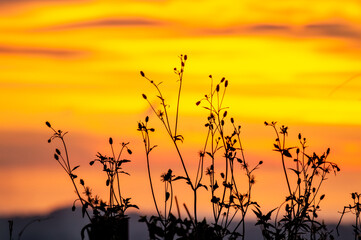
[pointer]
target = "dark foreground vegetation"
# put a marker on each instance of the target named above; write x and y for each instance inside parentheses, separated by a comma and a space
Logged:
(221, 163)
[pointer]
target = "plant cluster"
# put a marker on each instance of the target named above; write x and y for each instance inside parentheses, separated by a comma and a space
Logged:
(355, 209)
(302, 204)
(220, 164)
(222, 152)
(107, 216)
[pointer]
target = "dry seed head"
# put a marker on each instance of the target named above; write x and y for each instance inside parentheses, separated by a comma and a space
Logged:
(48, 124)
(142, 73)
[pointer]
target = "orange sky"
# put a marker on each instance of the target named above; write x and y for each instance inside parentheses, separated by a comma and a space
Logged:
(76, 64)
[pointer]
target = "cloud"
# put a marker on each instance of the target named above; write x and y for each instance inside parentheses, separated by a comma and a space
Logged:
(109, 22)
(269, 28)
(332, 30)
(44, 1)
(48, 52)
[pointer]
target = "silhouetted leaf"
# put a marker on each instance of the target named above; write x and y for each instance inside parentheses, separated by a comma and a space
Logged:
(286, 153)
(215, 186)
(180, 177)
(75, 167)
(201, 185)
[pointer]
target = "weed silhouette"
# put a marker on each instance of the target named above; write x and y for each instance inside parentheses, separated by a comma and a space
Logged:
(108, 220)
(302, 203)
(354, 208)
(228, 202)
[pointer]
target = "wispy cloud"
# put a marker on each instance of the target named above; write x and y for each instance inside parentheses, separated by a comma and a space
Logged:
(269, 28)
(25, 1)
(333, 30)
(108, 22)
(48, 52)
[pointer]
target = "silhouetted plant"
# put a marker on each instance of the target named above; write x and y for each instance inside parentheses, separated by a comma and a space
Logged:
(302, 203)
(11, 225)
(226, 198)
(108, 220)
(355, 209)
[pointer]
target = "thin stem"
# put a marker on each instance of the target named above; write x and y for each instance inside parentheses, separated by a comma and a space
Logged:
(147, 149)
(70, 175)
(179, 94)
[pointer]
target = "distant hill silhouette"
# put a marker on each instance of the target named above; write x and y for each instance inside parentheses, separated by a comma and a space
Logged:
(63, 224)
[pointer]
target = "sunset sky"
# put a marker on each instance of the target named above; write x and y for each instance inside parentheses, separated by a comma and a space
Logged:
(76, 64)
